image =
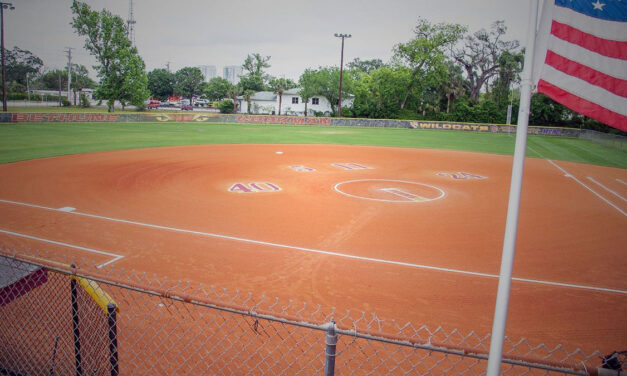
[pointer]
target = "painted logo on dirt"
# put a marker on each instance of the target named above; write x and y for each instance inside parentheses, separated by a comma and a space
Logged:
(351, 166)
(461, 175)
(255, 187)
(301, 168)
(389, 190)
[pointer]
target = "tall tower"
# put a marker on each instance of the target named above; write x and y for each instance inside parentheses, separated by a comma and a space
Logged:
(130, 22)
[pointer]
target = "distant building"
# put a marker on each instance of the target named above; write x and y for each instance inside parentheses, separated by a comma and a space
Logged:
(209, 71)
(232, 73)
(267, 102)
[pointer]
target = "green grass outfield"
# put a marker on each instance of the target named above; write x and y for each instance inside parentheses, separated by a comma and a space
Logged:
(22, 141)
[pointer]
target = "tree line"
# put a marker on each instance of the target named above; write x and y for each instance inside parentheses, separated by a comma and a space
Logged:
(444, 72)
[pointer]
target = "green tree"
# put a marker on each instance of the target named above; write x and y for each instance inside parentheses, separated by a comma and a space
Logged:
(255, 64)
(18, 64)
(218, 88)
(454, 87)
(50, 80)
(81, 79)
(308, 86)
(380, 93)
(252, 82)
(365, 66)
(510, 67)
(254, 67)
(188, 81)
(135, 86)
(161, 83)
(107, 40)
(546, 111)
(233, 92)
(425, 55)
(280, 85)
(480, 56)
(327, 81)
(248, 94)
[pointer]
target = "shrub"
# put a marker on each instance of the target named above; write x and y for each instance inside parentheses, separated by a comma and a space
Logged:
(226, 106)
(84, 102)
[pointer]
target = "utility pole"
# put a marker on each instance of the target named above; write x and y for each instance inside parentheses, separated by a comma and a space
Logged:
(69, 73)
(27, 87)
(60, 88)
(339, 102)
(3, 6)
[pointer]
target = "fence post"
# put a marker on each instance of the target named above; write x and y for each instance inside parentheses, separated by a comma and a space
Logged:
(113, 338)
(331, 342)
(77, 336)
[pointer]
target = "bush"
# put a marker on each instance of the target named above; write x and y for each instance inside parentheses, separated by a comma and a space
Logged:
(65, 102)
(84, 102)
(23, 96)
(226, 106)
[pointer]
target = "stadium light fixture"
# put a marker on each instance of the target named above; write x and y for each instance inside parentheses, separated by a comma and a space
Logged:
(3, 6)
(339, 102)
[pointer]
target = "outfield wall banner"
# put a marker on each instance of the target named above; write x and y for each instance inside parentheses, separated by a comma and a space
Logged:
(215, 117)
(292, 120)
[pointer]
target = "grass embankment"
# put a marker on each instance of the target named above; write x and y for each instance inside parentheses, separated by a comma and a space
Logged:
(23, 141)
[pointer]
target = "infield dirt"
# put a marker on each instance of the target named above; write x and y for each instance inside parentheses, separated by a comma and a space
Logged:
(411, 234)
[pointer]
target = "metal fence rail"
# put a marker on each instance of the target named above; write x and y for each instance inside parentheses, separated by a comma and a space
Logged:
(177, 328)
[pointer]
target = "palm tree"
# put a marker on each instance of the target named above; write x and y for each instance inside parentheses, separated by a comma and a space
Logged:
(233, 92)
(279, 85)
(248, 94)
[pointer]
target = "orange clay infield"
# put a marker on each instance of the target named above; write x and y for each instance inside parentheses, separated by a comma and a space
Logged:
(409, 234)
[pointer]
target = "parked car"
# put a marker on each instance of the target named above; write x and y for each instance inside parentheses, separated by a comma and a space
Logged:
(184, 102)
(199, 102)
(153, 104)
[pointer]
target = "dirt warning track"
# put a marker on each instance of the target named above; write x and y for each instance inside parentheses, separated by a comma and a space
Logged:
(413, 235)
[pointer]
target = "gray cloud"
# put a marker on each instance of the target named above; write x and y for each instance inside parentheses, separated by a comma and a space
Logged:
(297, 34)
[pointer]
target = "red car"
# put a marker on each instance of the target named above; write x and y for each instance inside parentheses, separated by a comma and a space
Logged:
(154, 104)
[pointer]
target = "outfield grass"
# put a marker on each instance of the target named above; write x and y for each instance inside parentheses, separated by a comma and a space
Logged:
(22, 141)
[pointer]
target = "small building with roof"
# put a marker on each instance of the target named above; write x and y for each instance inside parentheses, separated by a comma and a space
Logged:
(267, 102)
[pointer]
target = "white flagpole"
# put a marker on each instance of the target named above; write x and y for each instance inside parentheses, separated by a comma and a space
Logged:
(511, 226)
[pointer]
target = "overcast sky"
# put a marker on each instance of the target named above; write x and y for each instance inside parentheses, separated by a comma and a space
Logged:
(297, 34)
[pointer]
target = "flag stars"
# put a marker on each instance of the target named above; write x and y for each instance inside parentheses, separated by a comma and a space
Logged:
(598, 5)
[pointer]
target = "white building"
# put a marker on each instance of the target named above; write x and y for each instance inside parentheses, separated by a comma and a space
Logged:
(232, 73)
(209, 71)
(267, 102)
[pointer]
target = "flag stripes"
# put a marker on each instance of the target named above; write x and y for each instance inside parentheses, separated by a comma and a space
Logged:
(583, 106)
(581, 57)
(605, 47)
(573, 68)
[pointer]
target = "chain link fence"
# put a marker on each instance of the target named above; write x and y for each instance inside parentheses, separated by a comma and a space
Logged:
(56, 319)
(609, 140)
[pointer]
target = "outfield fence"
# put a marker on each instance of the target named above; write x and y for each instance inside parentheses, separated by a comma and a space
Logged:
(613, 141)
(56, 319)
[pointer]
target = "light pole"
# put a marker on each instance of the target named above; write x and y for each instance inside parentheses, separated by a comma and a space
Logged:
(3, 6)
(339, 102)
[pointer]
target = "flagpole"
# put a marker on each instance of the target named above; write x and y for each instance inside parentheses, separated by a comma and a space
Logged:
(511, 225)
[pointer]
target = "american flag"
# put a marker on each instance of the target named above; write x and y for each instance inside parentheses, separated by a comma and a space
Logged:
(581, 57)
